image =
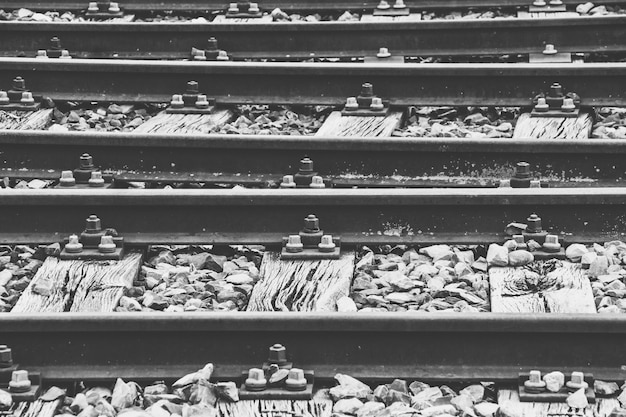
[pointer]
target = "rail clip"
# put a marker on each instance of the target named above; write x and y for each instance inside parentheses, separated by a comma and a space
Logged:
(532, 388)
(103, 10)
(385, 9)
(544, 245)
(191, 102)
(306, 177)
(243, 10)
(18, 97)
(211, 53)
(311, 243)
(277, 379)
(366, 104)
(94, 243)
(556, 104)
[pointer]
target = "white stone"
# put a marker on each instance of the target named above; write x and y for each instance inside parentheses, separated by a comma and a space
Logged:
(575, 251)
(584, 8)
(437, 252)
(438, 410)
(520, 257)
(370, 409)
(5, 400)
(497, 255)
(346, 305)
(347, 406)
(578, 399)
(554, 381)
(5, 277)
(486, 409)
(239, 279)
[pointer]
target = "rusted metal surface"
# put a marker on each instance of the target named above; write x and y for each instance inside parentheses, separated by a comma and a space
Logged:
(259, 159)
(334, 39)
(479, 346)
(284, 83)
(198, 5)
(401, 214)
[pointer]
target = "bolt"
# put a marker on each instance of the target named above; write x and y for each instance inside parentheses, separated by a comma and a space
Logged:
(311, 223)
(317, 182)
(296, 380)
(294, 244)
(86, 161)
(505, 184)
(367, 90)
(92, 224)
(42, 54)
(19, 381)
(542, 105)
(535, 184)
(556, 90)
(202, 102)
(55, 42)
(534, 383)
(256, 380)
(550, 49)
(67, 179)
(96, 179)
(253, 8)
(520, 242)
(222, 56)
(65, 54)
(74, 246)
(114, 7)
(539, 3)
(377, 104)
(177, 102)
(19, 83)
(556, 3)
(576, 382)
(383, 5)
(552, 244)
(327, 244)
(199, 55)
(351, 103)
(212, 44)
(6, 357)
(568, 105)
(106, 245)
(399, 4)
(306, 165)
(27, 98)
(4, 97)
(233, 8)
(534, 224)
(383, 53)
(522, 170)
(93, 7)
(288, 182)
(277, 354)
(192, 87)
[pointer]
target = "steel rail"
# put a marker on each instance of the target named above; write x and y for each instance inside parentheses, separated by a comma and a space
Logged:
(280, 83)
(317, 5)
(264, 216)
(323, 39)
(429, 346)
(349, 161)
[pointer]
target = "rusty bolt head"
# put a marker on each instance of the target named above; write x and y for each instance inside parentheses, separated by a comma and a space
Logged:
(534, 223)
(556, 90)
(19, 83)
(86, 161)
(311, 223)
(306, 165)
(212, 44)
(522, 170)
(93, 224)
(6, 357)
(192, 87)
(277, 354)
(367, 90)
(55, 42)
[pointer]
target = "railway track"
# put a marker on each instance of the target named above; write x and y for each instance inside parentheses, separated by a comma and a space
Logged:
(290, 41)
(67, 347)
(313, 84)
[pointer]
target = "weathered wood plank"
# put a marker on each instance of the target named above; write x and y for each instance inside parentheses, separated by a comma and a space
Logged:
(85, 286)
(541, 287)
(338, 125)
(553, 127)
(20, 120)
(185, 123)
(602, 406)
(413, 17)
(301, 285)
